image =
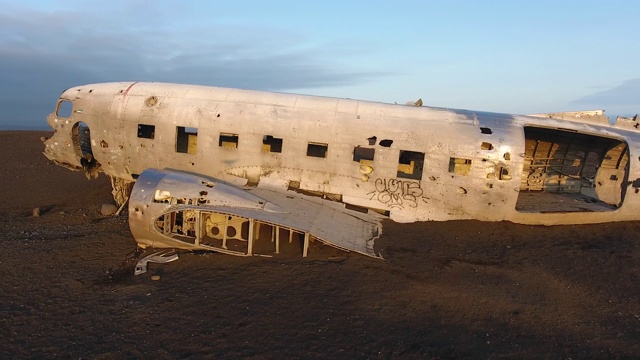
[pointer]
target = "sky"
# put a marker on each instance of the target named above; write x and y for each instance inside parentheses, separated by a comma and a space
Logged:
(504, 56)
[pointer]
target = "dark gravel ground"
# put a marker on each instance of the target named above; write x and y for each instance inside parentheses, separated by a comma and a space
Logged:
(458, 289)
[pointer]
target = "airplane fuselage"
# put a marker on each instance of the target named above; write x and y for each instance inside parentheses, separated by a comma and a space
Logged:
(410, 163)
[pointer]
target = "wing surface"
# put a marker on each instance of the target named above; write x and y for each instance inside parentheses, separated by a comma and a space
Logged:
(181, 210)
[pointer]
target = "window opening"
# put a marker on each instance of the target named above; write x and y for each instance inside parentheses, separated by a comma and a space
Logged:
(410, 164)
(363, 155)
(317, 150)
(460, 166)
(186, 140)
(146, 131)
(64, 109)
(228, 141)
(271, 144)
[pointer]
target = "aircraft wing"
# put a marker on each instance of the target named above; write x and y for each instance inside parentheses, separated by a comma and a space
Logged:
(170, 209)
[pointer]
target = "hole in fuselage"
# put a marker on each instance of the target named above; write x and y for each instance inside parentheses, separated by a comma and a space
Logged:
(81, 137)
(567, 171)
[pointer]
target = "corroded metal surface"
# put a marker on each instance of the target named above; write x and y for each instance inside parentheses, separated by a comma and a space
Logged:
(409, 163)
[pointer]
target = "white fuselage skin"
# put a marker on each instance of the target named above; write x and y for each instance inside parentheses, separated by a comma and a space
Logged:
(232, 126)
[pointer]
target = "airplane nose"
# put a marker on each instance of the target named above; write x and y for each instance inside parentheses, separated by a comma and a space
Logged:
(51, 120)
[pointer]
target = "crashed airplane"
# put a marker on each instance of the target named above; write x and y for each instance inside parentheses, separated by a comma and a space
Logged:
(209, 168)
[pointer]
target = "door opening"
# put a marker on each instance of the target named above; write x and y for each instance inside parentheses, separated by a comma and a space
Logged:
(567, 171)
(81, 137)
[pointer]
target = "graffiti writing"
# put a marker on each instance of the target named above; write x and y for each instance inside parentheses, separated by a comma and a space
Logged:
(397, 193)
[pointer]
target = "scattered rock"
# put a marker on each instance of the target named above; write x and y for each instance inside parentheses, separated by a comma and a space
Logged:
(108, 209)
(155, 277)
(36, 212)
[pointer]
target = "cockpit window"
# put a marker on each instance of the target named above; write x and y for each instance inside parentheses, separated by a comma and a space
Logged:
(65, 109)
